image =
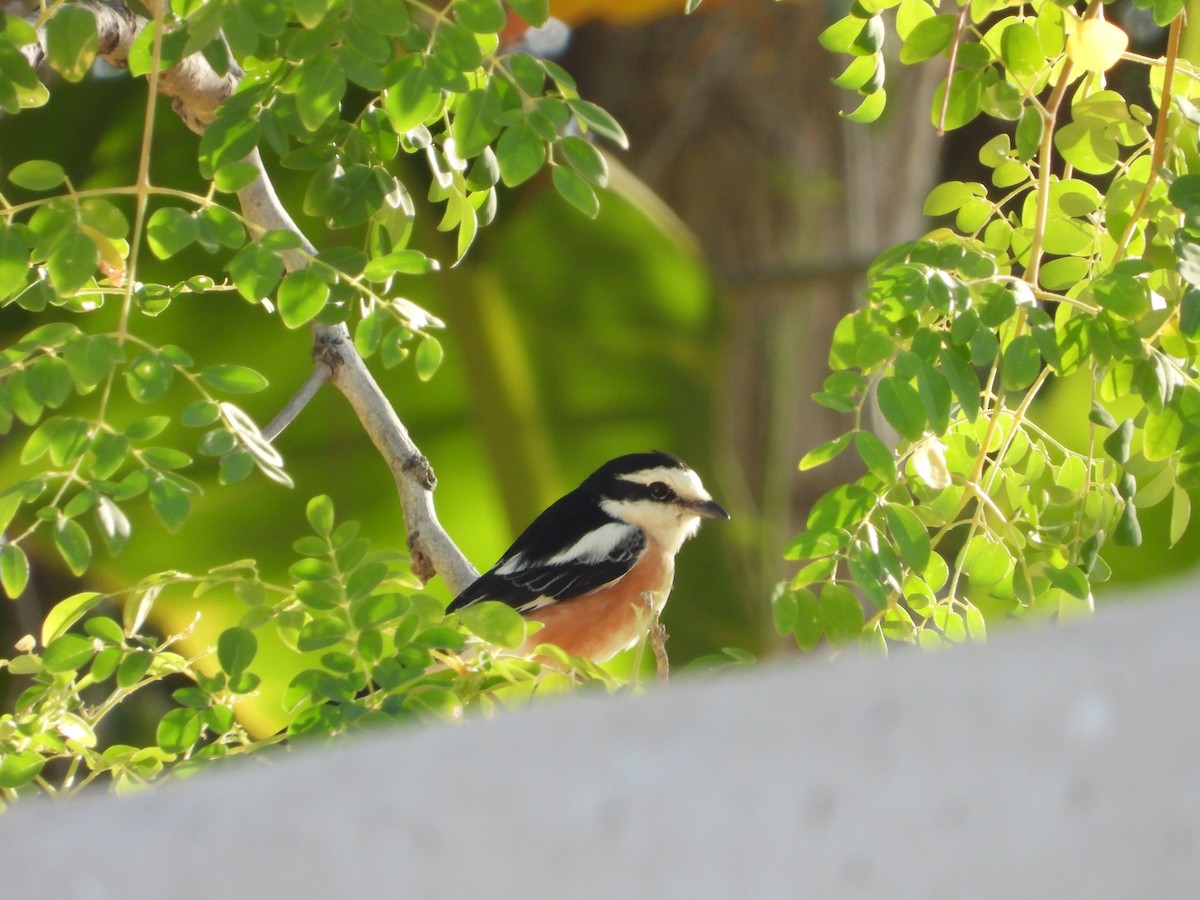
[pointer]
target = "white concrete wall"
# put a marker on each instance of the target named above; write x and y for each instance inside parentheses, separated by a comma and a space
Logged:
(1063, 762)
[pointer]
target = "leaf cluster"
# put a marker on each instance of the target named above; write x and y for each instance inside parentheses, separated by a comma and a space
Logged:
(1073, 263)
(378, 651)
(399, 120)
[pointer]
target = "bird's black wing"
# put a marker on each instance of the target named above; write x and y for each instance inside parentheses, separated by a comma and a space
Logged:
(534, 567)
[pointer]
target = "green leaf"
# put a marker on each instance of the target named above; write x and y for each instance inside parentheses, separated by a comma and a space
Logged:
(965, 102)
(14, 262)
(132, 667)
(585, 159)
(230, 138)
(72, 262)
(236, 648)
(403, 262)
(785, 609)
(841, 35)
(520, 152)
(321, 86)
(1021, 49)
(1088, 147)
(901, 405)
(256, 271)
(14, 570)
(457, 48)
(986, 561)
(89, 360)
(1181, 514)
(73, 545)
(1021, 363)
(320, 633)
(37, 175)
(474, 124)
(1030, 128)
(1117, 444)
(1161, 434)
(823, 453)
(1071, 579)
(170, 230)
(876, 455)
(66, 613)
(179, 730)
(67, 653)
(1128, 532)
(412, 100)
(114, 525)
(534, 12)
(170, 503)
(593, 116)
(428, 357)
(1189, 313)
(870, 109)
(936, 396)
(20, 768)
(497, 623)
(236, 466)
(320, 515)
(928, 38)
(909, 534)
(840, 613)
(809, 626)
(219, 227)
(234, 379)
(302, 296)
(573, 188)
(72, 41)
(950, 196)
(481, 16)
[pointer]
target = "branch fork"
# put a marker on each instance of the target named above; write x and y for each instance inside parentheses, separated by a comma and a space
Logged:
(197, 90)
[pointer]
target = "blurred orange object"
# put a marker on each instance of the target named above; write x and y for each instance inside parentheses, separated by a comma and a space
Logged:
(620, 12)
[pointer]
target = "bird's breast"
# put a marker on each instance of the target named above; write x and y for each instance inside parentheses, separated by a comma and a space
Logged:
(600, 624)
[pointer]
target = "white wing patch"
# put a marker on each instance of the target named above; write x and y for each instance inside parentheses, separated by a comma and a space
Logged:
(512, 564)
(594, 546)
(536, 603)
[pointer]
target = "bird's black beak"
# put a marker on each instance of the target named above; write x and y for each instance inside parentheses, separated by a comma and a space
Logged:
(709, 509)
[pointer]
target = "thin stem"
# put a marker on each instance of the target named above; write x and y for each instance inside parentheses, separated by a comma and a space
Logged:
(1159, 155)
(958, 30)
(143, 176)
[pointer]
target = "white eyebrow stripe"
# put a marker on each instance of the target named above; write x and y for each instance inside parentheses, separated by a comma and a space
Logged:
(684, 482)
(594, 546)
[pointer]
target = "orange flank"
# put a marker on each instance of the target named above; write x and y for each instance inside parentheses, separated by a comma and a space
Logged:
(599, 625)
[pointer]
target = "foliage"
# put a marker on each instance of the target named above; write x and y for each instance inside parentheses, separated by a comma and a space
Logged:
(1077, 261)
(347, 95)
(380, 651)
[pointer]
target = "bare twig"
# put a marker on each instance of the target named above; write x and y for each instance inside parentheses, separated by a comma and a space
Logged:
(197, 91)
(320, 374)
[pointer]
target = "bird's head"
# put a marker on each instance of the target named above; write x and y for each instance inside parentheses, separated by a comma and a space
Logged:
(657, 492)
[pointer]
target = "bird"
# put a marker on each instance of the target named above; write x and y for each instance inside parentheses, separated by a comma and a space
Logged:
(592, 563)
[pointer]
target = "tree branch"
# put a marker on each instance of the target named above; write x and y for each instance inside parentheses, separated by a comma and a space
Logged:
(320, 374)
(197, 91)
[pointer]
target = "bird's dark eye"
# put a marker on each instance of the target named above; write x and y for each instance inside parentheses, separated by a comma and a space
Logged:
(660, 491)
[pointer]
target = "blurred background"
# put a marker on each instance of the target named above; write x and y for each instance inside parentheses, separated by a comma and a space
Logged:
(692, 316)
